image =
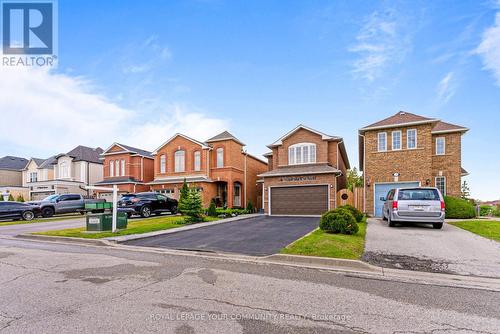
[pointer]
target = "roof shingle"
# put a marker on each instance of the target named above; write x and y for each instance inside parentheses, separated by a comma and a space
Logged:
(401, 117)
(224, 136)
(447, 127)
(13, 163)
(300, 170)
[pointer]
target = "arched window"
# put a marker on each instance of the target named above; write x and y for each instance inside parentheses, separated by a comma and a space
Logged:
(163, 164)
(197, 161)
(111, 168)
(220, 157)
(302, 153)
(179, 161)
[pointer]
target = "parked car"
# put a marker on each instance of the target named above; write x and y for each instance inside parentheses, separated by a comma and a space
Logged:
(146, 204)
(64, 203)
(418, 205)
(18, 210)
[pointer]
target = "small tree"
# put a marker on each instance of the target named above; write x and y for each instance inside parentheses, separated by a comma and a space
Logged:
(11, 198)
(20, 198)
(1, 197)
(193, 208)
(183, 197)
(249, 207)
(465, 190)
(354, 179)
(212, 209)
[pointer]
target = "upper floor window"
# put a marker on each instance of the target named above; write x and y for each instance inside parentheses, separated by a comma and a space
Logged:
(382, 141)
(163, 163)
(302, 153)
(63, 170)
(111, 168)
(179, 161)
(220, 157)
(33, 177)
(440, 146)
(197, 160)
(117, 167)
(441, 184)
(411, 138)
(396, 140)
(123, 167)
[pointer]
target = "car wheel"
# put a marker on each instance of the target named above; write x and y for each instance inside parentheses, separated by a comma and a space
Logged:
(146, 211)
(28, 215)
(47, 212)
(391, 223)
(437, 226)
(173, 209)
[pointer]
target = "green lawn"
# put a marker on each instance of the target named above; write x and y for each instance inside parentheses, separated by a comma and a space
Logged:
(486, 228)
(134, 227)
(323, 244)
(40, 220)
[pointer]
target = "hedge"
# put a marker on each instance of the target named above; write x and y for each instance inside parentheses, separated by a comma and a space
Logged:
(458, 208)
(339, 220)
(358, 215)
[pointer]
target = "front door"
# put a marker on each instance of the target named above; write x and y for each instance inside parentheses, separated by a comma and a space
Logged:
(237, 195)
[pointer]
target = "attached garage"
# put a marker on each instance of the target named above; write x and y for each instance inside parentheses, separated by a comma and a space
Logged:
(299, 200)
(381, 190)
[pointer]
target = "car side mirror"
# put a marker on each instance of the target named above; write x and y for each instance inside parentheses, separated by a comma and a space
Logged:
(383, 199)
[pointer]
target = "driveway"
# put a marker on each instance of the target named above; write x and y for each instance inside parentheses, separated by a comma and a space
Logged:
(257, 236)
(39, 227)
(420, 247)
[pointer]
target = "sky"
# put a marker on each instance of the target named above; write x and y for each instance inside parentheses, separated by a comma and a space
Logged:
(137, 72)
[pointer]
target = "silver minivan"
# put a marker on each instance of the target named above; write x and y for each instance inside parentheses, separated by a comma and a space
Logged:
(417, 205)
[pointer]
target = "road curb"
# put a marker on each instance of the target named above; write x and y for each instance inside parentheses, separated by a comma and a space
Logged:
(93, 242)
(323, 262)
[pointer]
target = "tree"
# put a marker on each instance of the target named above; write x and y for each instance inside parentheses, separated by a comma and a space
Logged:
(193, 206)
(20, 198)
(183, 197)
(11, 198)
(212, 210)
(354, 179)
(465, 190)
(1, 197)
(250, 208)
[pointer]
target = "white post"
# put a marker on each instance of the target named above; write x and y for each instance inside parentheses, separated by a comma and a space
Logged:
(115, 204)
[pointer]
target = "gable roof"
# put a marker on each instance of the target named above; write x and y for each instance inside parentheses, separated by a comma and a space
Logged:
(203, 145)
(401, 118)
(13, 163)
(47, 162)
(130, 149)
(225, 135)
(324, 136)
(443, 127)
(84, 153)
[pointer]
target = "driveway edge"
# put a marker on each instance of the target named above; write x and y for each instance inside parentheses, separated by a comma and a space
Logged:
(39, 237)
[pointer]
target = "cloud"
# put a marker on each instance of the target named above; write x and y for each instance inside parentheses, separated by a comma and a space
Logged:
(446, 88)
(45, 113)
(150, 55)
(489, 49)
(380, 42)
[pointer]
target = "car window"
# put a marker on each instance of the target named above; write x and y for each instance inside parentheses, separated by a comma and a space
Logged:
(161, 197)
(8, 205)
(418, 195)
(126, 197)
(50, 198)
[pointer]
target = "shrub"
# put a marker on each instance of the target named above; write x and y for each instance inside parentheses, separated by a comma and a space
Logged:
(459, 208)
(1, 197)
(193, 206)
(183, 197)
(250, 207)
(339, 220)
(485, 210)
(496, 212)
(358, 215)
(212, 210)
(20, 198)
(11, 198)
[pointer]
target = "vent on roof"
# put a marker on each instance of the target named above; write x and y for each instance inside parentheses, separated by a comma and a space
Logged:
(402, 113)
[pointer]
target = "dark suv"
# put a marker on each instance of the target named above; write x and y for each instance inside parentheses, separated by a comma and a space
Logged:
(146, 204)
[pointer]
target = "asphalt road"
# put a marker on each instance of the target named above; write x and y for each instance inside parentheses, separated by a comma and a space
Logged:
(50, 287)
(420, 247)
(17, 229)
(258, 236)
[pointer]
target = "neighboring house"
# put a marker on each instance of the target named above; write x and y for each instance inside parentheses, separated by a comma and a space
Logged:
(11, 176)
(64, 173)
(306, 169)
(127, 167)
(219, 167)
(409, 150)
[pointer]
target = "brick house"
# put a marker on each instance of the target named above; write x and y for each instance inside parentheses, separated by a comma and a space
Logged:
(130, 168)
(219, 167)
(306, 169)
(409, 150)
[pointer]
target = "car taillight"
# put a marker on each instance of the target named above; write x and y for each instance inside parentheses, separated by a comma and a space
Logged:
(442, 206)
(395, 205)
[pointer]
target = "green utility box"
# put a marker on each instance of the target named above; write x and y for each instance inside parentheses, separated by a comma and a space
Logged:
(103, 221)
(98, 206)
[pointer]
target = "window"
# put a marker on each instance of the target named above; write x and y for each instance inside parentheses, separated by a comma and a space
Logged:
(163, 164)
(123, 167)
(197, 161)
(220, 157)
(382, 141)
(179, 161)
(302, 153)
(117, 167)
(63, 170)
(33, 177)
(441, 184)
(396, 140)
(111, 168)
(418, 194)
(411, 139)
(440, 146)
(167, 191)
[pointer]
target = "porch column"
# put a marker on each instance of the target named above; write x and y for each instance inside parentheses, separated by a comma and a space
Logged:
(230, 192)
